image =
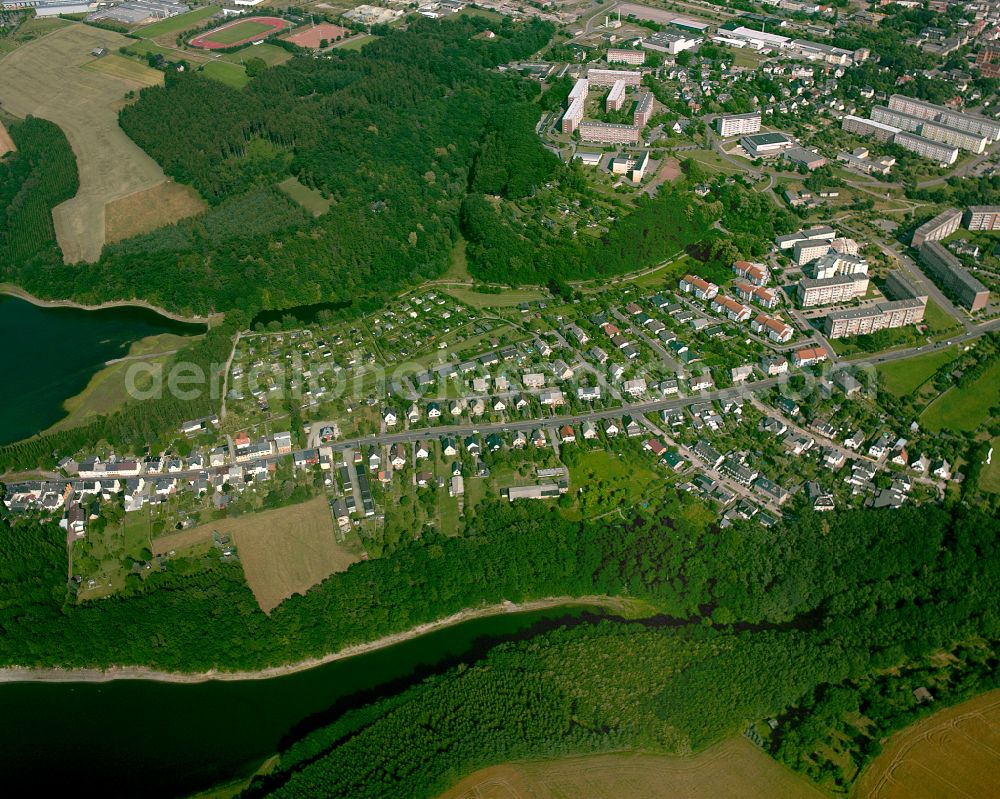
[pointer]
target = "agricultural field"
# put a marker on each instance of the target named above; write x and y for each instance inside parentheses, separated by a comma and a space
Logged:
(310, 199)
(144, 210)
(29, 31)
(283, 551)
(964, 409)
(125, 68)
(906, 376)
(989, 478)
(950, 755)
(735, 769)
(42, 78)
(6, 142)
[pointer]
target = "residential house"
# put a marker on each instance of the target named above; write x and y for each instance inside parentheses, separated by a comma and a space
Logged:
(397, 456)
(566, 434)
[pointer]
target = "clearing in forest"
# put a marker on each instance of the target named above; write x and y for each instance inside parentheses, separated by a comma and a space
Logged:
(56, 77)
(950, 755)
(734, 769)
(145, 210)
(284, 551)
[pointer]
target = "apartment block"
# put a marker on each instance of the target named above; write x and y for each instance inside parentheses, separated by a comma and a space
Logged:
(625, 56)
(576, 100)
(753, 273)
(934, 131)
(607, 77)
(936, 151)
(826, 291)
(643, 109)
(616, 97)
(608, 133)
(950, 273)
(738, 124)
(702, 289)
(774, 329)
(867, 127)
(804, 252)
(899, 287)
(982, 217)
(862, 321)
(971, 123)
(940, 227)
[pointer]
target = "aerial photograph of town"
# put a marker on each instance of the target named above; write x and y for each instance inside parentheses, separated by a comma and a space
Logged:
(564, 399)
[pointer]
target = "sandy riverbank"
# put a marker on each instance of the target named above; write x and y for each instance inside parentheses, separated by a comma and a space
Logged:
(18, 674)
(16, 291)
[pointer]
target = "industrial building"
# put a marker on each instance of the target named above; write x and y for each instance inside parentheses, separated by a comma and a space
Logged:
(643, 110)
(826, 291)
(971, 123)
(738, 124)
(880, 316)
(135, 11)
(671, 41)
(608, 133)
(950, 273)
(607, 77)
(983, 217)
(940, 227)
(759, 40)
(626, 56)
(838, 56)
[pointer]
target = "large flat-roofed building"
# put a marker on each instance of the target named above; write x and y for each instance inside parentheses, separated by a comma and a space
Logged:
(789, 240)
(607, 77)
(766, 145)
(671, 41)
(867, 127)
(936, 151)
(816, 51)
(982, 217)
(935, 131)
(899, 287)
(826, 291)
(738, 124)
(861, 160)
(950, 273)
(608, 133)
(882, 315)
(643, 110)
(800, 156)
(940, 227)
(622, 55)
(971, 123)
(541, 491)
(577, 101)
(616, 97)
(758, 39)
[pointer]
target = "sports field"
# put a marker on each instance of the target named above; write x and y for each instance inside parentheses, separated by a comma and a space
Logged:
(964, 409)
(733, 769)
(950, 755)
(317, 34)
(283, 551)
(242, 31)
(56, 77)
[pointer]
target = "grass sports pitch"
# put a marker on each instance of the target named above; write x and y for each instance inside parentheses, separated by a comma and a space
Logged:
(239, 32)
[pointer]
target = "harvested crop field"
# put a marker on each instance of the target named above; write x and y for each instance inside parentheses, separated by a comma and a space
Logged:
(733, 769)
(312, 37)
(283, 551)
(950, 755)
(145, 210)
(6, 142)
(54, 77)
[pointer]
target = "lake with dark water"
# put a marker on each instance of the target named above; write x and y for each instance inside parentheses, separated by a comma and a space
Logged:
(133, 738)
(50, 354)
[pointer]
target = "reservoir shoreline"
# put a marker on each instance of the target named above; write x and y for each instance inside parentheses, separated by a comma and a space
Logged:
(19, 674)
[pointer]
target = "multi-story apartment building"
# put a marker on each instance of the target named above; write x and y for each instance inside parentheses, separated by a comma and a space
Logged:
(862, 321)
(576, 101)
(643, 110)
(867, 127)
(971, 123)
(983, 217)
(950, 273)
(618, 55)
(941, 226)
(899, 287)
(738, 124)
(765, 297)
(828, 290)
(734, 311)
(616, 97)
(607, 77)
(608, 133)
(934, 131)
(702, 289)
(774, 329)
(936, 151)
(803, 252)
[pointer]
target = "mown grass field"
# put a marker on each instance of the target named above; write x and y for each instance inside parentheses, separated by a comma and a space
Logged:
(950, 755)
(283, 551)
(964, 409)
(356, 42)
(310, 199)
(237, 33)
(989, 477)
(506, 298)
(29, 31)
(268, 53)
(906, 376)
(179, 23)
(228, 73)
(126, 69)
(734, 769)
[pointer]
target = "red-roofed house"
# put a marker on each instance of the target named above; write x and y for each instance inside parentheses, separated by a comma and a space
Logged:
(654, 446)
(808, 356)
(735, 311)
(775, 329)
(702, 289)
(755, 274)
